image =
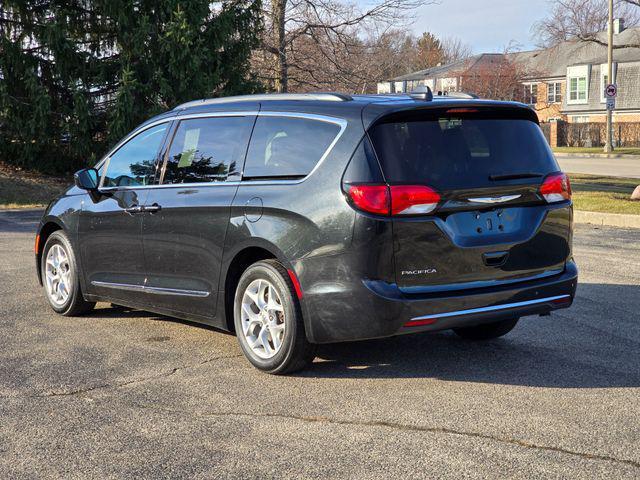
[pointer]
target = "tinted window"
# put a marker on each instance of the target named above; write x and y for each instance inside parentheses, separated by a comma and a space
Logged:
(207, 149)
(450, 153)
(134, 163)
(287, 147)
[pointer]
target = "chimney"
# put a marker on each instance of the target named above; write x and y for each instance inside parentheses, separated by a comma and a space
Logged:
(618, 25)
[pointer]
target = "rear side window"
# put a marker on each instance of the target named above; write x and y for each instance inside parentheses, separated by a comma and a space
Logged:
(454, 153)
(287, 146)
(207, 149)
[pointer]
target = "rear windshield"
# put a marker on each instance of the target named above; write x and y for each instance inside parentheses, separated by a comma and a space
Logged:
(453, 153)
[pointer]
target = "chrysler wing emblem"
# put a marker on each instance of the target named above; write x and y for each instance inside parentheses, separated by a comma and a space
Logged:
(504, 198)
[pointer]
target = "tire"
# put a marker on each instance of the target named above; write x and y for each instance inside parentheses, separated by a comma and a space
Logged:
(269, 325)
(62, 259)
(488, 330)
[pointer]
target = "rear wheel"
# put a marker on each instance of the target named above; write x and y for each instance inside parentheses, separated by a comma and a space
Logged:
(60, 277)
(268, 320)
(488, 330)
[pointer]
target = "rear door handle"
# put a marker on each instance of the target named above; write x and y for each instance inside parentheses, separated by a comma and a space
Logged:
(152, 208)
(134, 209)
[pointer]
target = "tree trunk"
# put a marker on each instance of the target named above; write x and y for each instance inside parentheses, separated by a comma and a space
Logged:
(278, 8)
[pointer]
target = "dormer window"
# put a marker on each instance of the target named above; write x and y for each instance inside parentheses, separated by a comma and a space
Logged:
(578, 84)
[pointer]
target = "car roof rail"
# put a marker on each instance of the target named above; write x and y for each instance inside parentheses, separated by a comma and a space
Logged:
(456, 94)
(320, 96)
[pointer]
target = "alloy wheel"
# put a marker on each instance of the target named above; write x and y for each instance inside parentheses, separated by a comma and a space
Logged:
(58, 275)
(262, 318)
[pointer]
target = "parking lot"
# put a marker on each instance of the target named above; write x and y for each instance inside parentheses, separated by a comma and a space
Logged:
(127, 393)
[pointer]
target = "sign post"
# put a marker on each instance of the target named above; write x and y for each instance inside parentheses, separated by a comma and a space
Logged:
(608, 147)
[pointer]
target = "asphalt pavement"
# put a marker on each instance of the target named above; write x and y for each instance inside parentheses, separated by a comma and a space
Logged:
(611, 167)
(130, 394)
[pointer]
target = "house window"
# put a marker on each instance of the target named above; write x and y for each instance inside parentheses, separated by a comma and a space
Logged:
(554, 92)
(531, 93)
(578, 84)
(577, 88)
(580, 119)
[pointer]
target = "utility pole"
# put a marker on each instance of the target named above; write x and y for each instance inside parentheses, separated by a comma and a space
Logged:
(608, 147)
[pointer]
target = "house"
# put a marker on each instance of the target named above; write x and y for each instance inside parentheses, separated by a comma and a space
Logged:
(444, 78)
(564, 82)
(567, 81)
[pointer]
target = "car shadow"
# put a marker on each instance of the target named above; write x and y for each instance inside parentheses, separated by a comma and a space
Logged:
(594, 344)
(116, 311)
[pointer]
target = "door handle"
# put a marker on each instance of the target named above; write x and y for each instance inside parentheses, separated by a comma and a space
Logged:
(134, 209)
(152, 208)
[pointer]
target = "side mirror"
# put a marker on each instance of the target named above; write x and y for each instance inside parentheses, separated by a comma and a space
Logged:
(87, 179)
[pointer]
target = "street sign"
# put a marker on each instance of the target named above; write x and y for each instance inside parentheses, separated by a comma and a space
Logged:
(611, 103)
(611, 90)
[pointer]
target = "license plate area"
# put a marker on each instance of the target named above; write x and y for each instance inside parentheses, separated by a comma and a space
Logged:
(497, 226)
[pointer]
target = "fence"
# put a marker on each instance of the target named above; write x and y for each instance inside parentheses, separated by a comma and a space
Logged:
(546, 131)
(625, 134)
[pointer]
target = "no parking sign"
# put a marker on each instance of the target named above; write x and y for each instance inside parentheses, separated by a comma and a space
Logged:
(610, 93)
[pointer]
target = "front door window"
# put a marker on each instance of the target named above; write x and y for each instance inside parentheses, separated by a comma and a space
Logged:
(133, 164)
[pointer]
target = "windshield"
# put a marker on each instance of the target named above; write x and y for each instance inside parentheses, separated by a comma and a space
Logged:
(457, 152)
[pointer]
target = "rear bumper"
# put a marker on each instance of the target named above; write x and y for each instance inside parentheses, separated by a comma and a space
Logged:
(377, 309)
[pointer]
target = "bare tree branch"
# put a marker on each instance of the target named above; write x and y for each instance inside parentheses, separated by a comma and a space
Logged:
(329, 33)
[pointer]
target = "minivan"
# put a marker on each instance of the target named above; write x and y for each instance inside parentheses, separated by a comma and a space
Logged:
(300, 219)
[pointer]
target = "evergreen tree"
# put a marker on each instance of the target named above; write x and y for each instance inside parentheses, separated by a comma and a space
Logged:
(76, 75)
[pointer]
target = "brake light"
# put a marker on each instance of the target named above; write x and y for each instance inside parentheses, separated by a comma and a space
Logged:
(413, 199)
(462, 110)
(556, 188)
(370, 198)
(394, 199)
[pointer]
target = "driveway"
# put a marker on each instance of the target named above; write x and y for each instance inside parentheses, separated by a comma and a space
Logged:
(127, 393)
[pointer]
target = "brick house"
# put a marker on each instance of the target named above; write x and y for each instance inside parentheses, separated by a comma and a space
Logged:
(564, 82)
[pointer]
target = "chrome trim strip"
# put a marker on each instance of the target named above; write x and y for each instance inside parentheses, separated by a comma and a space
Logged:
(491, 308)
(118, 286)
(155, 290)
(342, 123)
(176, 291)
(505, 198)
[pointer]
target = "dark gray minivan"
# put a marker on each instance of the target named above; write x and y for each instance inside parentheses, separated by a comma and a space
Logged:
(300, 219)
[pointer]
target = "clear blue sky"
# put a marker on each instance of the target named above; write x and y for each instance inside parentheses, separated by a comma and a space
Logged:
(486, 25)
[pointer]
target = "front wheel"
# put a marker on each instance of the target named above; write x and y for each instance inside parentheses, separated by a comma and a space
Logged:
(268, 320)
(60, 276)
(487, 331)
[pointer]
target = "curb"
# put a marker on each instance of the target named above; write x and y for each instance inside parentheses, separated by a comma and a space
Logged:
(607, 219)
(596, 155)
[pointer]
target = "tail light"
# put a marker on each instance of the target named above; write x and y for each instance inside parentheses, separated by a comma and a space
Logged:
(413, 199)
(394, 199)
(556, 188)
(370, 198)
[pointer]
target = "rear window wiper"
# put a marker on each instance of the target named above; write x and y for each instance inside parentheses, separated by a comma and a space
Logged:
(514, 176)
